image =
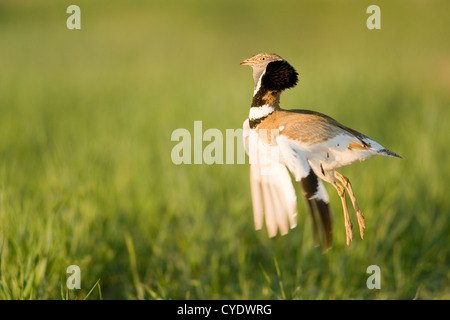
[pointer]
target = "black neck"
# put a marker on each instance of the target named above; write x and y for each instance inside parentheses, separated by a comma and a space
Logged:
(266, 97)
(278, 76)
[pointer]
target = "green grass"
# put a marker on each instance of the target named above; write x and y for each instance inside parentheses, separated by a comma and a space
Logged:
(86, 176)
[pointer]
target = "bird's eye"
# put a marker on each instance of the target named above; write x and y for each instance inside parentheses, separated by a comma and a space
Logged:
(263, 58)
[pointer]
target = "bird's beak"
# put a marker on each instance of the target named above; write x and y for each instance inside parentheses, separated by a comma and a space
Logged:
(246, 62)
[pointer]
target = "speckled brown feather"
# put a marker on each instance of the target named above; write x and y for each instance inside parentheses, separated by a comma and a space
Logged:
(308, 127)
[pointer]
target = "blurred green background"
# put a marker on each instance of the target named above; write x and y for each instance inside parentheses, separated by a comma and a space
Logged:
(86, 178)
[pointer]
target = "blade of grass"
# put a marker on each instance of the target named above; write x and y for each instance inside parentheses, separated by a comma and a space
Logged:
(97, 283)
(133, 266)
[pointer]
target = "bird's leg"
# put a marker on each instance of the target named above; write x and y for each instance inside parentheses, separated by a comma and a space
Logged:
(348, 224)
(346, 183)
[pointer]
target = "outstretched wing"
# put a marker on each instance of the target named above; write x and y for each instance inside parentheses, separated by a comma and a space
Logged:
(273, 195)
(274, 199)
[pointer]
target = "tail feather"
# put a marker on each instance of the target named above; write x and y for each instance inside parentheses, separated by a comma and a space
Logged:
(377, 148)
(389, 153)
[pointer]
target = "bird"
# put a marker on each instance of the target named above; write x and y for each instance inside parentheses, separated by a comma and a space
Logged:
(306, 144)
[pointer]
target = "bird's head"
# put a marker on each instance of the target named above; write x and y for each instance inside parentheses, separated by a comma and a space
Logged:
(278, 73)
(261, 60)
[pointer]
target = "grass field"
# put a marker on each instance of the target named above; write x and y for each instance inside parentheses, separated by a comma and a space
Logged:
(86, 176)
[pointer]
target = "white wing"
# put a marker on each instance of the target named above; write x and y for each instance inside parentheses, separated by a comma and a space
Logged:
(273, 195)
(297, 160)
